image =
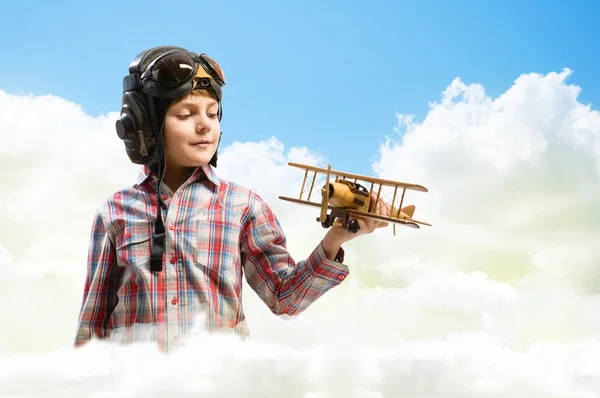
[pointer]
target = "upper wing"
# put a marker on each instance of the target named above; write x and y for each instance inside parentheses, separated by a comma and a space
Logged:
(358, 177)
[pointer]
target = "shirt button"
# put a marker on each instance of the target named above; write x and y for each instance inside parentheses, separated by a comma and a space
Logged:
(127, 234)
(174, 301)
(165, 197)
(341, 277)
(173, 259)
(172, 227)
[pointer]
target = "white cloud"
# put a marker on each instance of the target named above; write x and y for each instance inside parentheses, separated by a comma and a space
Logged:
(500, 295)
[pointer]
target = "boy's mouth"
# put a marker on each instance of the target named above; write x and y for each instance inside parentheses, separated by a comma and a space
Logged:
(201, 142)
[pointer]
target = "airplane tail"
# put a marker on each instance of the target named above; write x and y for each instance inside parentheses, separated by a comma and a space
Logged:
(405, 213)
(408, 210)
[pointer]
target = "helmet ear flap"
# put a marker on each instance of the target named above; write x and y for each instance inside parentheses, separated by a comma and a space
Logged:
(135, 129)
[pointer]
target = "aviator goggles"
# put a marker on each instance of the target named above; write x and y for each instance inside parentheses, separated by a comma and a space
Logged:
(176, 73)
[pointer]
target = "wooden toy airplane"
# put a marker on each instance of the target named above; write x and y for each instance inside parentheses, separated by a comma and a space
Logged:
(345, 197)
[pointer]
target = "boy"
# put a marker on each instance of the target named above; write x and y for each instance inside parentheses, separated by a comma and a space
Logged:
(148, 282)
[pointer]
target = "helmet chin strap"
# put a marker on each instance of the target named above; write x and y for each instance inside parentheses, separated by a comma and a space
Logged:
(158, 240)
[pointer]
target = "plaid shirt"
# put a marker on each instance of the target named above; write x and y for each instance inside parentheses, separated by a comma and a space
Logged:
(214, 230)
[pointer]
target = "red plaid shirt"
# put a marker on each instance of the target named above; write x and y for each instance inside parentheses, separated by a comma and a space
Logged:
(215, 231)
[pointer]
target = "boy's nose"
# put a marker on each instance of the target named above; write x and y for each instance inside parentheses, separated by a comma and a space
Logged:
(202, 124)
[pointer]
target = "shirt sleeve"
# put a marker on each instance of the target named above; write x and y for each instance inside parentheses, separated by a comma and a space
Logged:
(286, 286)
(100, 287)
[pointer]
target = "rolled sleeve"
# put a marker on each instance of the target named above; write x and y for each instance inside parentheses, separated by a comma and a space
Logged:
(335, 271)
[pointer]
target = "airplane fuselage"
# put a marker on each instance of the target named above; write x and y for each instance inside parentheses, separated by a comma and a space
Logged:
(344, 194)
(348, 195)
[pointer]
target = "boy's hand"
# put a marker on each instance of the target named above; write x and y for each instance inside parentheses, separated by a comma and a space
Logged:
(338, 236)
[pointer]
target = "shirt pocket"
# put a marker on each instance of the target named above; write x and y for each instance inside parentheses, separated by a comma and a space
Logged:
(217, 242)
(134, 249)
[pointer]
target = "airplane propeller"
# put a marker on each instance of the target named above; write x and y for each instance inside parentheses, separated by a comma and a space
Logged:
(325, 200)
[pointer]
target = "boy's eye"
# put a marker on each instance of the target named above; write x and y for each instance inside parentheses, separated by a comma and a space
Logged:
(184, 116)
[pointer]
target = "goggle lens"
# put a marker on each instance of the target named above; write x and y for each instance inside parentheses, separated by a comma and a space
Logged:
(216, 67)
(173, 69)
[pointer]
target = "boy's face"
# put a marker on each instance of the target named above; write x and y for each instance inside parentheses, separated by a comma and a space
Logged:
(191, 131)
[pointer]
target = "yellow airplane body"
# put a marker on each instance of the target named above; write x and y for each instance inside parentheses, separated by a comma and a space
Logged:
(346, 197)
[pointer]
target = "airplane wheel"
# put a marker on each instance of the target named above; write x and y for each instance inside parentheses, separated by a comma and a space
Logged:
(325, 223)
(353, 226)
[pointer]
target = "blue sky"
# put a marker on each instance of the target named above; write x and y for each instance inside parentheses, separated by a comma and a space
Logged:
(329, 75)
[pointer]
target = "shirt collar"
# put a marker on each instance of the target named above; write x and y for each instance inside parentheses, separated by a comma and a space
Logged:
(208, 171)
(143, 176)
(198, 174)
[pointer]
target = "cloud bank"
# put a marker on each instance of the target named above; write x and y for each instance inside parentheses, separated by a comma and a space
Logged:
(500, 296)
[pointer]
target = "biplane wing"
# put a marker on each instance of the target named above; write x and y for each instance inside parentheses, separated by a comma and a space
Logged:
(357, 177)
(345, 196)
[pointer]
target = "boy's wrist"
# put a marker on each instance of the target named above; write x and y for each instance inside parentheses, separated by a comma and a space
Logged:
(332, 244)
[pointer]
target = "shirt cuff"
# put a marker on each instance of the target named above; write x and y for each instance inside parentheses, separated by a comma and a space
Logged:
(322, 267)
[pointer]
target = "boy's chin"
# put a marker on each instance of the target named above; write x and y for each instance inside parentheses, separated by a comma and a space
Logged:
(197, 162)
(193, 165)
(188, 162)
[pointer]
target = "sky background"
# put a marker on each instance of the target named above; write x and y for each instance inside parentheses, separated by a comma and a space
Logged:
(313, 73)
(500, 297)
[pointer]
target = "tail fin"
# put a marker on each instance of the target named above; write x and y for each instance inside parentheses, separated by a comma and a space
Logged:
(408, 210)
